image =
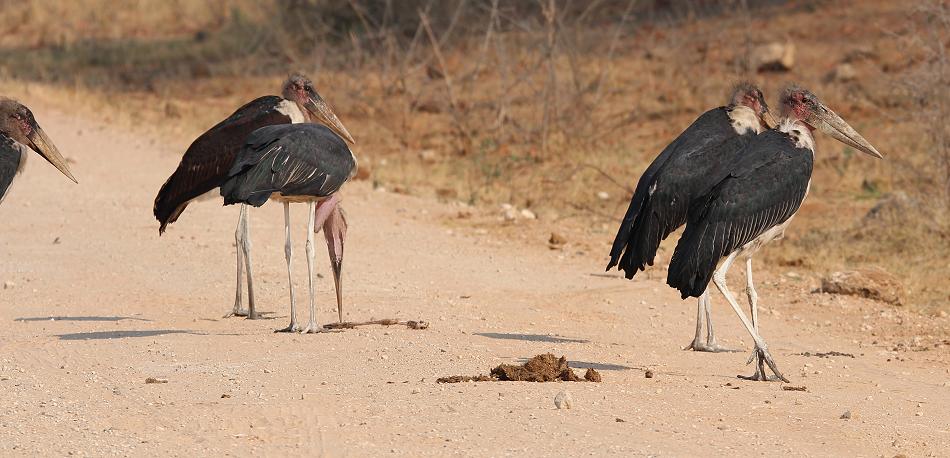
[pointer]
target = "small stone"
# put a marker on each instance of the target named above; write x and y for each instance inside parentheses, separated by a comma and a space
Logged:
(155, 380)
(528, 214)
(563, 400)
(510, 214)
(602, 195)
(557, 239)
(9, 285)
(846, 415)
(870, 283)
(225, 396)
(620, 420)
(648, 373)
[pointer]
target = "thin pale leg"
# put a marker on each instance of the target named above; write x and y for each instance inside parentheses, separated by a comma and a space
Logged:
(312, 324)
(719, 278)
(289, 253)
(753, 306)
(703, 308)
(246, 244)
(239, 309)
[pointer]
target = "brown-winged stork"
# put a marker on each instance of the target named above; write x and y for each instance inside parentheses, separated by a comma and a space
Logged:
(19, 133)
(206, 163)
(684, 171)
(304, 163)
(753, 204)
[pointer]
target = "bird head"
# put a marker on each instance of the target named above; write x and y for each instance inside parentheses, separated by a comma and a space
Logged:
(299, 89)
(749, 95)
(802, 105)
(17, 122)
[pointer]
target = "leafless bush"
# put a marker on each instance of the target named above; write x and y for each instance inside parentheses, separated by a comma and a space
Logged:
(928, 87)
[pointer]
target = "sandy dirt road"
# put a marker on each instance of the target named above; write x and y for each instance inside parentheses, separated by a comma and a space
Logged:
(96, 302)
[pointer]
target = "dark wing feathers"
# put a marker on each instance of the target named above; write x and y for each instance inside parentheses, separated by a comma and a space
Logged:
(206, 163)
(10, 157)
(294, 160)
(766, 187)
(691, 164)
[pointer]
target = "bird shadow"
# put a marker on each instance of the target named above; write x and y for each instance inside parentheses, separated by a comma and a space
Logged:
(106, 335)
(599, 366)
(530, 337)
(79, 318)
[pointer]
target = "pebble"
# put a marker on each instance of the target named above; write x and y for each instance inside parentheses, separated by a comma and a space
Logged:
(528, 214)
(846, 415)
(602, 195)
(648, 373)
(9, 285)
(563, 400)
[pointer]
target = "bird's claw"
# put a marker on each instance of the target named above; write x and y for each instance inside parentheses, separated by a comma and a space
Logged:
(237, 312)
(313, 328)
(293, 327)
(763, 358)
(710, 347)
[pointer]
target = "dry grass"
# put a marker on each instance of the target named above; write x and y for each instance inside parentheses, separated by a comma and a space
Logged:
(545, 108)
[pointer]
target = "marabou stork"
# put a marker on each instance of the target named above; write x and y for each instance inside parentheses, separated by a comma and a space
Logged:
(20, 133)
(206, 163)
(304, 163)
(683, 172)
(753, 205)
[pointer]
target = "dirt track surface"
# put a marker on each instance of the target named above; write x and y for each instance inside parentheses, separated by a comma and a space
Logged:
(97, 303)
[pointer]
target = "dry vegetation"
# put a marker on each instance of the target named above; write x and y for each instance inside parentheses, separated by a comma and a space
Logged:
(544, 104)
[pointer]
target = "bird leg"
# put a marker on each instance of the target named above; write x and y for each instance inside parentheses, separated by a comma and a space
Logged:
(239, 309)
(719, 278)
(312, 324)
(289, 252)
(703, 307)
(246, 244)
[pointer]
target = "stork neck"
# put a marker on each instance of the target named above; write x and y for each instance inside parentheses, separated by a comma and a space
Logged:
(744, 120)
(295, 112)
(799, 132)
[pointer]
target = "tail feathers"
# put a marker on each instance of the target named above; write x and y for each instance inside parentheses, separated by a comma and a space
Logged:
(166, 208)
(624, 250)
(692, 267)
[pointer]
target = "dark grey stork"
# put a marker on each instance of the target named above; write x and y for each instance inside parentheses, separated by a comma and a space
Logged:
(207, 161)
(751, 206)
(684, 171)
(303, 163)
(20, 133)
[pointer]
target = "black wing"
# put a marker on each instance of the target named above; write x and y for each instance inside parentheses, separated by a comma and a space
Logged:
(766, 186)
(10, 157)
(293, 159)
(206, 164)
(688, 167)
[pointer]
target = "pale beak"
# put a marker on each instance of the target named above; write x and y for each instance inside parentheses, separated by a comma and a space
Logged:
(830, 123)
(769, 120)
(322, 111)
(334, 229)
(42, 144)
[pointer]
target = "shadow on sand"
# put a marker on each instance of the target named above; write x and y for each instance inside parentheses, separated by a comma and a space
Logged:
(530, 337)
(80, 318)
(103, 335)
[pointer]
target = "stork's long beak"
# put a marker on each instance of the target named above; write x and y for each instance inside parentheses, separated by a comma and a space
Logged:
(830, 123)
(322, 111)
(42, 144)
(334, 229)
(769, 120)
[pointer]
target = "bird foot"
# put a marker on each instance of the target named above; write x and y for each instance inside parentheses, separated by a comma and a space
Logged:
(293, 327)
(313, 328)
(762, 358)
(237, 312)
(709, 347)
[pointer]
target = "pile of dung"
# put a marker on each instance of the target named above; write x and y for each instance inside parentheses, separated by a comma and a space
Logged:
(541, 368)
(411, 324)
